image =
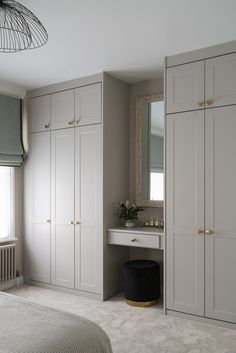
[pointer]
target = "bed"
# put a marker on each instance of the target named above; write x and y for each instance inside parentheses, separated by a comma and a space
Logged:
(26, 327)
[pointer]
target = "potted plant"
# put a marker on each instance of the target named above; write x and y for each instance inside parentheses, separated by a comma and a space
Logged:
(129, 212)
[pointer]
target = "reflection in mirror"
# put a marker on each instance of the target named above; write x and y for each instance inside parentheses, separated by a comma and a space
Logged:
(150, 150)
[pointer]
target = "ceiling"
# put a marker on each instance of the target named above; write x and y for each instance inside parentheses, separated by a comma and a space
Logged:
(128, 38)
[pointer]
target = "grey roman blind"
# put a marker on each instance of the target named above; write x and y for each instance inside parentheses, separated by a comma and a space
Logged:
(11, 146)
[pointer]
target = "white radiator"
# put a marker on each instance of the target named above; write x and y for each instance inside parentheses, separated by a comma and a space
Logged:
(7, 262)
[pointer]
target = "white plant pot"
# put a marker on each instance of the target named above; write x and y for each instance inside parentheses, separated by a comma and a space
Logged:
(129, 223)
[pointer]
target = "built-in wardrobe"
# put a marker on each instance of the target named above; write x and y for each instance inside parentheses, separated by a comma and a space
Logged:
(76, 169)
(200, 183)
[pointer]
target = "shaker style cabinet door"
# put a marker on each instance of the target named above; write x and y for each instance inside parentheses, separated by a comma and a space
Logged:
(221, 81)
(37, 212)
(62, 207)
(39, 114)
(185, 212)
(62, 109)
(88, 210)
(88, 104)
(220, 198)
(185, 87)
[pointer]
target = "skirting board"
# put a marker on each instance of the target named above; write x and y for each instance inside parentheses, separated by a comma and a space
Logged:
(62, 289)
(10, 284)
(201, 319)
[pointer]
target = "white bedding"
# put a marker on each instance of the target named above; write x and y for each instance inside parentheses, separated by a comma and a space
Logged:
(26, 327)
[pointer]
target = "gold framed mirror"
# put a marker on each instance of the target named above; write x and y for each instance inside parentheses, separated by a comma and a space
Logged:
(149, 150)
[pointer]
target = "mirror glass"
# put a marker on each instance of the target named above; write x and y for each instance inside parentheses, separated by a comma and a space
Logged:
(153, 151)
(150, 127)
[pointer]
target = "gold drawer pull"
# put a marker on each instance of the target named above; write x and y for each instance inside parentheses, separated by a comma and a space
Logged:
(209, 102)
(209, 232)
(200, 104)
(77, 121)
(77, 222)
(133, 240)
(71, 122)
(46, 126)
(199, 231)
(70, 222)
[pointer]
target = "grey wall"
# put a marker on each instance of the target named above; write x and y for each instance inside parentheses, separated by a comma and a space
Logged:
(148, 87)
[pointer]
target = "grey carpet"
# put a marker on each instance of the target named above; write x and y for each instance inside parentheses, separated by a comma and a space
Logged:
(138, 330)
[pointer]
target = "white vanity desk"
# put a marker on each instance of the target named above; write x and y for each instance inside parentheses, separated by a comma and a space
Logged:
(140, 237)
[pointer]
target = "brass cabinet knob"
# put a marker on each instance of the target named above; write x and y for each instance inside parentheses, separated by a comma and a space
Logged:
(46, 126)
(209, 102)
(77, 121)
(201, 104)
(199, 231)
(208, 232)
(71, 122)
(133, 240)
(74, 222)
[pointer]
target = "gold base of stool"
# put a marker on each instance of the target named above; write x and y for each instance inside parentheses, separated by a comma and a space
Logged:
(142, 304)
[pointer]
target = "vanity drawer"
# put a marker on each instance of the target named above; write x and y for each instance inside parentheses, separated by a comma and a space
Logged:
(134, 239)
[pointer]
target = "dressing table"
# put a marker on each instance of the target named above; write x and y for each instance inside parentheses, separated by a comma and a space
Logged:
(140, 237)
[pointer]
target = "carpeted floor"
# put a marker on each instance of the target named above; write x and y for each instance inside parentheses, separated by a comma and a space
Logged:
(138, 330)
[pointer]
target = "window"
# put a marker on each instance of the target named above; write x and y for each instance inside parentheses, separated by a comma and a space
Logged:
(157, 186)
(6, 202)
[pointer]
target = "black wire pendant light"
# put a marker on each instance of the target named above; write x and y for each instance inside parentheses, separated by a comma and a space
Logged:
(20, 29)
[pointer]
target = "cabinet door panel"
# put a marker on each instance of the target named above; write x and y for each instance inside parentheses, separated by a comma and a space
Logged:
(63, 255)
(88, 208)
(185, 87)
(39, 114)
(220, 213)
(88, 100)
(62, 207)
(37, 180)
(221, 80)
(185, 212)
(63, 109)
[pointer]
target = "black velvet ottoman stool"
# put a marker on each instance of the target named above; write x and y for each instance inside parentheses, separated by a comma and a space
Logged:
(142, 282)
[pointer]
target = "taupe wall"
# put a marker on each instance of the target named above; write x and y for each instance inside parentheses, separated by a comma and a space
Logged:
(148, 87)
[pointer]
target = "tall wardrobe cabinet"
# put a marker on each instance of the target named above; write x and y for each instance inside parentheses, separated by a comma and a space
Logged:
(37, 195)
(200, 186)
(69, 159)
